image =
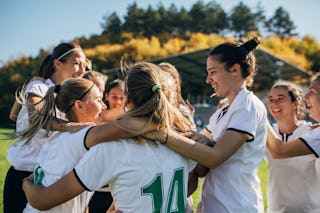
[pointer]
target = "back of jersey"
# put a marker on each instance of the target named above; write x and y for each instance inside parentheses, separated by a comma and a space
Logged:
(142, 177)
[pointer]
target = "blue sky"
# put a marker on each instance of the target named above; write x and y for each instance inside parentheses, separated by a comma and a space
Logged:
(26, 26)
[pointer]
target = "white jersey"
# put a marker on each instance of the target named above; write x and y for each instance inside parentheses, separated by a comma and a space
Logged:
(20, 155)
(291, 184)
(57, 158)
(234, 185)
(142, 177)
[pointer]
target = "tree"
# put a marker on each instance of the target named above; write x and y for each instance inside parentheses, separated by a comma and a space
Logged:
(197, 13)
(242, 20)
(113, 27)
(260, 17)
(216, 19)
(134, 20)
(281, 24)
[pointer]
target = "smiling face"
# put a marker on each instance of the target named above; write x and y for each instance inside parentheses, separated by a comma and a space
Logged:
(280, 104)
(73, 67)
(312, 99)
(218, 77)
(91, 107)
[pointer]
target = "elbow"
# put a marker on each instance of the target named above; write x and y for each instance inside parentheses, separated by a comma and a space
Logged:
(12, 117)
(37, 204)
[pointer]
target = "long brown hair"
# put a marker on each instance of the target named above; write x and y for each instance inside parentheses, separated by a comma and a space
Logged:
(61, 97)
(144, 89)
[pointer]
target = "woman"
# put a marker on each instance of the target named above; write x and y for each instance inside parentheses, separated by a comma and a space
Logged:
(67, 60)
(238, 134)
(145, 177)
(285, 103)
(82, 102)
(306, 144)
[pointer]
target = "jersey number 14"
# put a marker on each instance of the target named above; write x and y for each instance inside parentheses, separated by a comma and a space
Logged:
(175, 199)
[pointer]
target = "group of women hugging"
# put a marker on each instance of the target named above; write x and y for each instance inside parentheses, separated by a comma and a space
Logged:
(140, 152)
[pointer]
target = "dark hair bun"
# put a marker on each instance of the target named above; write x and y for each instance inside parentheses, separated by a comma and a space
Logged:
(251, 44)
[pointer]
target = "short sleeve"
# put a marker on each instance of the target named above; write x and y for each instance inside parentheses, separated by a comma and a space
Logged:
(75, 143)
(91, 171)
(37, 88)
(312, 140)
(244, 120)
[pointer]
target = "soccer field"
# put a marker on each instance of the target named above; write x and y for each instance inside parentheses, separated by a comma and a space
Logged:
(4, 165)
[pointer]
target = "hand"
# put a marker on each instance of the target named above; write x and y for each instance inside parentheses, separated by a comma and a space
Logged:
(30, 178)
(112, 209)
(314, 126)
(197, 137)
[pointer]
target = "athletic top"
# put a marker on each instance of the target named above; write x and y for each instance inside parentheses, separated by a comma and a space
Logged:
(142, 177)
(21, 155)
(234, 185)
(292, 181)
(57, 158)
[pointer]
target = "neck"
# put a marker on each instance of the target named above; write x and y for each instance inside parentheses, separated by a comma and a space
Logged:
(56, 79)
(232, 95)
(288, 127)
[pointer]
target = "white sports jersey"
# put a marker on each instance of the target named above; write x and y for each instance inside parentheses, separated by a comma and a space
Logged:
(57, 158)
(291, 183)
(312, 140)
(234, 185)
(23, 156)
(142, 177)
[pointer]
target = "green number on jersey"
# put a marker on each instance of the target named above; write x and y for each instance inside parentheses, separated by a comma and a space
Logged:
(175, 202)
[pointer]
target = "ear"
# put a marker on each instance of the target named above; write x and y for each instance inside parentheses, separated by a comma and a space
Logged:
(235, 69)
(79, 106)
(57, 64)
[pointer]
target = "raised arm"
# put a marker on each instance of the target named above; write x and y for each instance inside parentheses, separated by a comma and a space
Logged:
(46, 198)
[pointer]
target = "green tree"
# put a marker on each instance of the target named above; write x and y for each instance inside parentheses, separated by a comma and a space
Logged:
(281, 24)
(242, 20)
(112, 26)
(197, 13)
(134, 20)
(260, 17)
(215, 19)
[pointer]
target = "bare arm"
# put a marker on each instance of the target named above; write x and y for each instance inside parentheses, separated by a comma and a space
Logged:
(192, 182)
(124, 128)
(278, 149)
(32, 101)
(109, 115)
(205, 155)
(46, 198)
(15, 110)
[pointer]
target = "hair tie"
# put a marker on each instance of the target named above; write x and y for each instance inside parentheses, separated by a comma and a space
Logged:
(57, 88)
(155, 87)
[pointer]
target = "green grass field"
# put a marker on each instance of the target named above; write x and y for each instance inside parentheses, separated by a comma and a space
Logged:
(4, 165)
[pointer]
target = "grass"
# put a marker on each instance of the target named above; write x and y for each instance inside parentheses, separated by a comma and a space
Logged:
(4, 166)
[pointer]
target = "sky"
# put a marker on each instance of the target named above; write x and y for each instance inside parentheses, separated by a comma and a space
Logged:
(26, 26)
